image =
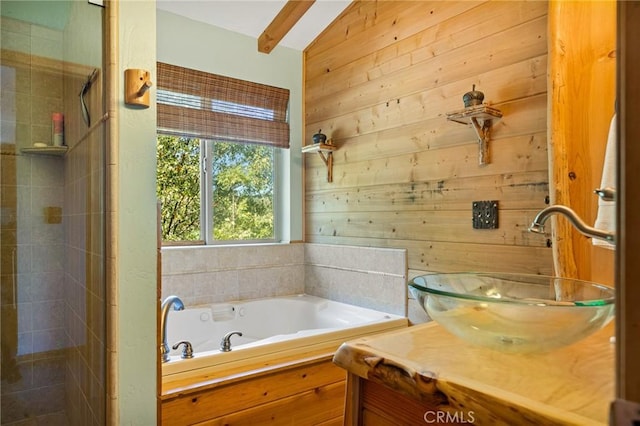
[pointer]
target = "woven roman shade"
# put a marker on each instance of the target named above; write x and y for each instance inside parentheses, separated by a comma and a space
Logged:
(197, 104)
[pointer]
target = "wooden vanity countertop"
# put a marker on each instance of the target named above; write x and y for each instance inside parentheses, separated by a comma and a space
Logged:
(570, 385)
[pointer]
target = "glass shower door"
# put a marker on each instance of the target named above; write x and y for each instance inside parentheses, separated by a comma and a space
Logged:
(52, 164)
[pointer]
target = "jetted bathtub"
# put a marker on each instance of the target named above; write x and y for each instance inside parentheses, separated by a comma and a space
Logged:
(269, 327)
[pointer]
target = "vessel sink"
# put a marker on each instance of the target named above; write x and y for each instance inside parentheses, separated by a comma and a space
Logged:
(514, 312)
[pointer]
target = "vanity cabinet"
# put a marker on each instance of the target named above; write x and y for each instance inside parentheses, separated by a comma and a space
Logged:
(374, 404)
(424, 375)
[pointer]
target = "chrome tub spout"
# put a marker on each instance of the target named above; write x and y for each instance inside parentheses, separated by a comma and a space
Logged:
(538, 223)
(166, 305)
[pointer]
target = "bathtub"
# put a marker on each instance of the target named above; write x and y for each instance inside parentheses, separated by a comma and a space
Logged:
(270, 327)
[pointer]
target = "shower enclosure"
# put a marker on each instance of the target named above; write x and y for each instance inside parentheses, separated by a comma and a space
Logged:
(52, 221)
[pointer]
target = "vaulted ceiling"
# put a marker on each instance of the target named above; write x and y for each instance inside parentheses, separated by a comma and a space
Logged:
(253, 17)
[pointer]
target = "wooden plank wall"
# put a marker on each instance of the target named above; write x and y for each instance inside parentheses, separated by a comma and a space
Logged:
(379, 82)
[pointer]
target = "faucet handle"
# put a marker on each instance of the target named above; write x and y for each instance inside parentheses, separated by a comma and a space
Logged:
(225, 343)
(187, 351)
(606, 194)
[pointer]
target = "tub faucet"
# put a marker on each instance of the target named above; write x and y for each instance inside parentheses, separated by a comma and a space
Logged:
(225, 343)
(166, 305)
(537, 225)
(187, 350)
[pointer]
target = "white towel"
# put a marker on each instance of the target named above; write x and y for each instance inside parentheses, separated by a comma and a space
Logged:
(606, 218)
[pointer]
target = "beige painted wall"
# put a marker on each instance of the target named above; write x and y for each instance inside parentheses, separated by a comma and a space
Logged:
(133, 240)
(184, 42)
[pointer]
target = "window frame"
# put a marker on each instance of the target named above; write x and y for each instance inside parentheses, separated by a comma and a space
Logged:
(207, 224)
(188, 109)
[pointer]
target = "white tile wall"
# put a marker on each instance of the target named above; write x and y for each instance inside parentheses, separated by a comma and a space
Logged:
(365, 276)
(370, 277)
(200, 275)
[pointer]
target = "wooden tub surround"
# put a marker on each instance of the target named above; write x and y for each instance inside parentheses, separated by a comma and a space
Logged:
(424, 374)
(297, 385)
(307, 391)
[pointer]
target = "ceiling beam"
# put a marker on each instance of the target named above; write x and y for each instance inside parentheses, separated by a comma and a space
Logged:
(282, 24)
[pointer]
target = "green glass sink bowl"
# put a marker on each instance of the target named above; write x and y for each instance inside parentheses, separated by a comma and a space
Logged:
(514, 312)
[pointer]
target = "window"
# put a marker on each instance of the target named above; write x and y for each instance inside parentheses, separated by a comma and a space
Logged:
(178, 187)
(217, 146)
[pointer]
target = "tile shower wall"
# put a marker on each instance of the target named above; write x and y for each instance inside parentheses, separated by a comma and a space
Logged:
(53, 325)
(85, 295)
(201, 275)
(84, 288)
(33, 336)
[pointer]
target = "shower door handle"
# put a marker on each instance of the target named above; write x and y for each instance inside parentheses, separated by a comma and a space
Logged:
(85, 88)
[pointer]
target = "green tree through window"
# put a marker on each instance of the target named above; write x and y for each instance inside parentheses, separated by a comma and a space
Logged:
(242, 191)
(241, 179)
(178, 187)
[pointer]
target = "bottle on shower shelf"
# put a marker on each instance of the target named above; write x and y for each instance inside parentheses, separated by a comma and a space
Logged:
(57, 129)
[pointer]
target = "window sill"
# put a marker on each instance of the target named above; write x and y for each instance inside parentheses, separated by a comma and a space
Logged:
(189, 244)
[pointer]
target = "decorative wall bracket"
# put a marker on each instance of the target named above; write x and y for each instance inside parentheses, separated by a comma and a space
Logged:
(326, 153)
(481, 117)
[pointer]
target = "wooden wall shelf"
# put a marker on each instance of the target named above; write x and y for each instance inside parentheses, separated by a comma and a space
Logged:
(322, 149)
(481, 117)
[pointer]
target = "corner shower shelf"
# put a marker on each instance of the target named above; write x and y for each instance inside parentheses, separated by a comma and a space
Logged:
(481, 117)
(322, 149)
(57, 151)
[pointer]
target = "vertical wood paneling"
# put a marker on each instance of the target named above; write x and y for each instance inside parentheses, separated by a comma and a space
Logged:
(582, 67)
(379, 82)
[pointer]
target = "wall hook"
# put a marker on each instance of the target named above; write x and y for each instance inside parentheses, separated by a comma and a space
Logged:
(137, 83)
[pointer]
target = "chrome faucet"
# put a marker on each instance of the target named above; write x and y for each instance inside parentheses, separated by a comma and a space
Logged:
(225, 343)
(166, 305)
(538, 223)
(187, 350)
